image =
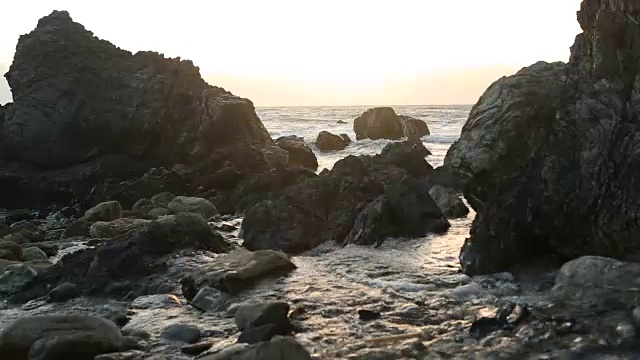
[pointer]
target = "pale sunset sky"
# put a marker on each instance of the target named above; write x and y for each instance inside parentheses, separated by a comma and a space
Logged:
(330, 52)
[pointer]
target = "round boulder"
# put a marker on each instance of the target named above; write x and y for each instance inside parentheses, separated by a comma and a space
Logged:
(327, 141)
(105, 211)
(194, 205)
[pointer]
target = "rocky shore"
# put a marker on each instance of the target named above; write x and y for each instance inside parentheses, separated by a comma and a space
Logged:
(145, 214)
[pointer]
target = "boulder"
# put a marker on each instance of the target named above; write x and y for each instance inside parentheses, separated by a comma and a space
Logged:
(325, 208)
(601, 283)
(194, 205)
(133, 267)
(276, 157)
(33, 253)
(143, 207)
(449, 202)
(15, 277)
(300, 154)
(29, 230)
(189, 334)
(162, 200)
(10, 251)
(346, 138)
(158, 212)
(63, 292)
(139, 104)
(327, 141)
(116, 228)
(106, 211)
(413, 128)
(16, 238)
(378, 123)
(78, 228)
(50, 248)
(278, 348)
(60, 336)
(236, 271)
(208, 299)
(549, 155)
(262, 321)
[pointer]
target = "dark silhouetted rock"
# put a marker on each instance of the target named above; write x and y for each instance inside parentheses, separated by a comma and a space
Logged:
(549, 155)
(10, 251)
(378, 123)
(189, 334)
(327, 141)
(325, 208)
(300, 154)
(449, 202)
(413, 128)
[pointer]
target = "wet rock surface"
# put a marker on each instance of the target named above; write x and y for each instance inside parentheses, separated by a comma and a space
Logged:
(327, 141)
(548, 154)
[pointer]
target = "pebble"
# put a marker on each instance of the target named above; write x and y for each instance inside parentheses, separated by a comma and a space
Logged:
(182, 333)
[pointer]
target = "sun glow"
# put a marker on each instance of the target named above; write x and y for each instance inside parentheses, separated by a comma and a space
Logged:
(336, 46)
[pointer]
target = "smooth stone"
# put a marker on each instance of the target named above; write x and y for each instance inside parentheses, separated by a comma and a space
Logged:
(116, 228)
(106, 211)
(158, 212)
(254, 315)
(63, 292)
(264, 332)
(60, 337)
(136, 332)
(182, 333)
(278, 348)
(33, 253)
(195, 205)
(209, 299)
(78, 228)
(160, 301)
(10, 251)
(15, 277)
(50, 248)
(143, 206)
(16, 238)
(162, 199)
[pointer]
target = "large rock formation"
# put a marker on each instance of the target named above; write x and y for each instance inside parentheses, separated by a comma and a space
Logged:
(85, 111)
(384, 123)
(550, 155)
(78, 97)
(361, 200)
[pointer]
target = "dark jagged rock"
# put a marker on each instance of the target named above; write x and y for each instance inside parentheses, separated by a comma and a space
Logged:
(108, 100)
(327, 141)
(384, 123)
(325, 208)
(131, 267)
(89, 119)
(449, 202)
(549, 155)
(300, 154)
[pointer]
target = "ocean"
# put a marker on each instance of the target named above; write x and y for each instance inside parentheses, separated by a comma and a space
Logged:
(445, 123)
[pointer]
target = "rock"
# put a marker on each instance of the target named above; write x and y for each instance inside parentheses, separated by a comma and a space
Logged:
(143, 206)
(236, 271)
(183, 204)
(10, 251)
(145, 105)
(78, 228)
(300, 154)
(531, 199)
(16, 238)
(127, 355)
(326, 207)
(162, 199)
(368, 315)
(507, 318)
(116, 228)
(598, 283)
(208, 299)
(448, 201)
(253, 315)
(346, 138)
(378, 123)
(106, 211)
(327, 141)
(279, 348)
(33, 253)
(225, 178)
(196, 349)
(136, 332)
(181, 333)
(159, 301)
(159, 212)
(48, 247)
(132, 267)
(341, 122)
(60, 336)
(63, 292)
(28, 230)
(413, 128)
(276, 157)
(14, 278)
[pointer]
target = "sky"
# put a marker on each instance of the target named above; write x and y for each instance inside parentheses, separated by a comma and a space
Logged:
(330, 52)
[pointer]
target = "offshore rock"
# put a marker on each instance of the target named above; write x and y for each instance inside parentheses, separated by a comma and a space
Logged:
(549, 155)
(384, 123)
(300, 154)
(327, 141)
